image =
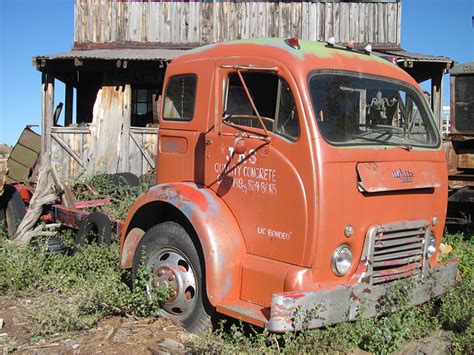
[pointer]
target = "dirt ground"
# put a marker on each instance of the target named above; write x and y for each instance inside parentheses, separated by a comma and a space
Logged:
(115, 335)
(121, 335)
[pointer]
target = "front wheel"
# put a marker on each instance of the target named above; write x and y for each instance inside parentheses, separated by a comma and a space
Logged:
(169, 255)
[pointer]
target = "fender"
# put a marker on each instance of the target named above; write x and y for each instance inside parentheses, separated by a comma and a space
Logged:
(219, 234)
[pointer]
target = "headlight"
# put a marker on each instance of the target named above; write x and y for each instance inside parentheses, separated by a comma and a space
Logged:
(431, 246)
(341, 260)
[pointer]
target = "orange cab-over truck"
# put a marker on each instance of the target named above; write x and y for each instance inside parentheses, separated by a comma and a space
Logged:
(294, 178)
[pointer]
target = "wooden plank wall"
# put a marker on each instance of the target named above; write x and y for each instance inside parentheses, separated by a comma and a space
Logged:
(77, 140)
(147, 138)
(198, 22)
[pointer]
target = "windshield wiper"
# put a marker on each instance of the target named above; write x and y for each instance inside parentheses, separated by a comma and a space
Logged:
(383, 141)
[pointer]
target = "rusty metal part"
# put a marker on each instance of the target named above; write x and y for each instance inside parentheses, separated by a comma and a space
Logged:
(382, 176)
(114, 53)
(73, 217)
(23, 156)
(47, 217)
(93, 203)
(462, 105)
(69, 217)
(396, 251)
(216, 228)
(290, 311)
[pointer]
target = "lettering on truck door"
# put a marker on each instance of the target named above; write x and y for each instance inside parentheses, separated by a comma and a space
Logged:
(255, 169)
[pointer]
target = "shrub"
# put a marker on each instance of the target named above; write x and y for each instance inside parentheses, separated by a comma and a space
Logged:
(75, 290)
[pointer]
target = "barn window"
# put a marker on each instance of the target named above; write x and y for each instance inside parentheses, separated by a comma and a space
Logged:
(180, 98)
(273, 100)
(143, 100)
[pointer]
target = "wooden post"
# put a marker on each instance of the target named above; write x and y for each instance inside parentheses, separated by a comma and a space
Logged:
(436, 98)
(69, 103)
(125, 166)
(47, 109)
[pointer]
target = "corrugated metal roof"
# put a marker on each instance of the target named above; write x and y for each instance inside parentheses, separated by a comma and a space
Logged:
(115, 54)
(418, 56)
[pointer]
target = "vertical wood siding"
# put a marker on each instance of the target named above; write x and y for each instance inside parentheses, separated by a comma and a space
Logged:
(197, 22)
(78, 140)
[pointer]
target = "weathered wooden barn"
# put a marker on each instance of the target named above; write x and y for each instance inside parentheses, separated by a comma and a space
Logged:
(114, 72)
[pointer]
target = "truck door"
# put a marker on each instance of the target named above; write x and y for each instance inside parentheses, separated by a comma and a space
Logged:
(255, 158)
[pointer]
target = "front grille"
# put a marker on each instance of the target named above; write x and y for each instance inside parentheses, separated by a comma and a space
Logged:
(397, 251)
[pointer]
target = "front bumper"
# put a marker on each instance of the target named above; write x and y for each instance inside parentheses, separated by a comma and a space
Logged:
(292, 311)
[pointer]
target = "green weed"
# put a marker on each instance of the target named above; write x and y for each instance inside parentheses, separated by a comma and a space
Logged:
(79, 289)
(102, 186)
(75, 290)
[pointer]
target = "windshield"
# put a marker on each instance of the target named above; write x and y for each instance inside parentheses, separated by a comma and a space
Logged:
(358, 109)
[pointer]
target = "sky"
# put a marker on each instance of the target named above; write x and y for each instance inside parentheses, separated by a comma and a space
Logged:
(36, 27)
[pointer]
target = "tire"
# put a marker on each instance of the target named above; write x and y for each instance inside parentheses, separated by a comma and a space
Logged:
(148, 179)
(55, 245)
(12, 209)
(125, 179)
(94, 228)
(166, 250)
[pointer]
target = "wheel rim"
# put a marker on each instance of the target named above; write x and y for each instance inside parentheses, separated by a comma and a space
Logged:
(171, 268)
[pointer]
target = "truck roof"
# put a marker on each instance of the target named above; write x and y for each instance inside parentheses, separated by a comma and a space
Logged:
(311, 56)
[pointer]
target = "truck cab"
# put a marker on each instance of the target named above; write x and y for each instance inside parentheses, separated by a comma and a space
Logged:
(292, 176)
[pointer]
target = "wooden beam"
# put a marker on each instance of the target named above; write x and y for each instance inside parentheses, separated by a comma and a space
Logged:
(126, 135)
(144, 152)
(47, 109)
(68, 149)
(437, 98)
(69, 98)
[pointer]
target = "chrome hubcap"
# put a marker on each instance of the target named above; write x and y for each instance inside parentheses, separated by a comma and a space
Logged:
(172, 270)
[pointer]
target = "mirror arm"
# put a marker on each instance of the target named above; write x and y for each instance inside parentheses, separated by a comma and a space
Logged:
(253, 104)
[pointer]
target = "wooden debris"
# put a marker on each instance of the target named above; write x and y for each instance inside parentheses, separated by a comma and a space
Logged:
(171, 345)
(46, 193)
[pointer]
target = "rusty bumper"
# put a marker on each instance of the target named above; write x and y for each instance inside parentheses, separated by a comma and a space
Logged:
(292, 311)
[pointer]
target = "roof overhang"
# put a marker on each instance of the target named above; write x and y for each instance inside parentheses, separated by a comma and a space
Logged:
(156, 55)
(420, 66)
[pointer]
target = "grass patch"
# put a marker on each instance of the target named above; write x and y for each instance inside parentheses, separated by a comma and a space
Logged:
(75, 290)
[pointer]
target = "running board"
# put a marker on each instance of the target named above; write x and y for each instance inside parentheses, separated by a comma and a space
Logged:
(246, 311)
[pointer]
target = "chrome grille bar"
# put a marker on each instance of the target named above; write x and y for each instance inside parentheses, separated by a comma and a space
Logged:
(396, 250)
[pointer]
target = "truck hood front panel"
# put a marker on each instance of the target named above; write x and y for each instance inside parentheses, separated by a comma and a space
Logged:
(365, 188)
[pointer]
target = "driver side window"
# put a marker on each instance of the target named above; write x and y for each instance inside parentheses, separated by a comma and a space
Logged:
(272, 98)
